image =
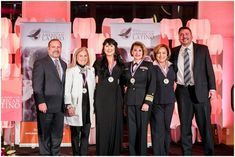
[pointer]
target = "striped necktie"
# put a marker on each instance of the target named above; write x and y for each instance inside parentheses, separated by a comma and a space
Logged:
(58, 68)
(187, 75)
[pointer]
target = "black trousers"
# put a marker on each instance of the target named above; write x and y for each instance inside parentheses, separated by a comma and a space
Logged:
(137, 130)
(80, 139)
(160, 128)
(188, 106)
(50, 132)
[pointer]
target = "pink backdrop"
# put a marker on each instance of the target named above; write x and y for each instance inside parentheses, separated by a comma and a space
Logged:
(221, 17)
(42, 10)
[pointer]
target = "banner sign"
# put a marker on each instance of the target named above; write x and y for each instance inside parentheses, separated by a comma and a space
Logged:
(11, 100)
(34, 43)
(29, 135)
(127, 33)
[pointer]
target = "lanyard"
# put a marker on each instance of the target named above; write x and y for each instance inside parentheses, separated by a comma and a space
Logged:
(133, 71)
(84, 75)
(111, 70)
(164, 71)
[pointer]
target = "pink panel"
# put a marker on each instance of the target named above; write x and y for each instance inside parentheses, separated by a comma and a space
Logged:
(6, 26)
(92, 136)
(46, 9)
(84, 27)
(18, 57)
(92, 56)
(17, 24)
(4, 59)
(220, 14)
(11, 71)
(170, 27)
(164, 40)
(5, 43)
(95, 42)
(175, 134)
(228, 81)
(215, 44)
(14, 42)
(175, 121)
(201, 28)
(75, 42)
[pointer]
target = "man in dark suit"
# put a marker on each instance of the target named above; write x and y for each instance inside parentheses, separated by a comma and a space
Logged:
(195, 87)
(48, 87)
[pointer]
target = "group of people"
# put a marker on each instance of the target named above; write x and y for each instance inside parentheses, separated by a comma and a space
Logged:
(143, 90)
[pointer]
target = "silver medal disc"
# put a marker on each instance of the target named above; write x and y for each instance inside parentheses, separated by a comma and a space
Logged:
(84, 90)
(132, 80)
(110, 79)
(166, 81)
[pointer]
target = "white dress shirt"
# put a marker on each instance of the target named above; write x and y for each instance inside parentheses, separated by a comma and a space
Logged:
(180, 64)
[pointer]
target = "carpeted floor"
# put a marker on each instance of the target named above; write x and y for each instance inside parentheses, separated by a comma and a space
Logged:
(175, 150)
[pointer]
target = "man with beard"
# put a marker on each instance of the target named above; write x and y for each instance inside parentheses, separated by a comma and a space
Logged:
(48, 87)
(195, 87)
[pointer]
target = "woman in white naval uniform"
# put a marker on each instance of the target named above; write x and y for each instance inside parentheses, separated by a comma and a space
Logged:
(79, 100)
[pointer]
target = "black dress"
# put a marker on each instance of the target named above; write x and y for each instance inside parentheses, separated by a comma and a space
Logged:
(108, 109)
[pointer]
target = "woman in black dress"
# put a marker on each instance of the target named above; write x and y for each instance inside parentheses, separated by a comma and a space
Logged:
(163, 103)
(108, 100)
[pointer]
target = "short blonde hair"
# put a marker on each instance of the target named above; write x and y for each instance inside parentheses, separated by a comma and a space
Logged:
(141, 45)
(75, 54)
(156, 49)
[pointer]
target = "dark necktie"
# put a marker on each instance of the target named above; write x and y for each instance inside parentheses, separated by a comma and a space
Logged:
(84, 78)
(58, 68)
(135, 65)
(187, 75)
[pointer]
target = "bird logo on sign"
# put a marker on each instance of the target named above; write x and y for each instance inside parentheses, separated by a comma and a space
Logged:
(125, 33)
(35, 34)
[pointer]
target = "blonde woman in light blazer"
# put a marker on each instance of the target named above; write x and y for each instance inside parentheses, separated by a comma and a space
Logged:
(79, 99)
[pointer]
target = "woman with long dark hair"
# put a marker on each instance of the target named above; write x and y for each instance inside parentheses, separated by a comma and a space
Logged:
(109, 100)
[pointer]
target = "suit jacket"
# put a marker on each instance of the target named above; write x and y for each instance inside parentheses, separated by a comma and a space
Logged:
(73, 93)
(142, 91)
(203, 72)
(164, 92)
(47, 86)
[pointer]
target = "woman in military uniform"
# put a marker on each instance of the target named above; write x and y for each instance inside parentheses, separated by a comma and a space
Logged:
(140, 83)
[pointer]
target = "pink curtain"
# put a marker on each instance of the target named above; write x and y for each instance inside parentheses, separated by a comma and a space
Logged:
(200, 28)
(84, 27)
(170, 27)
